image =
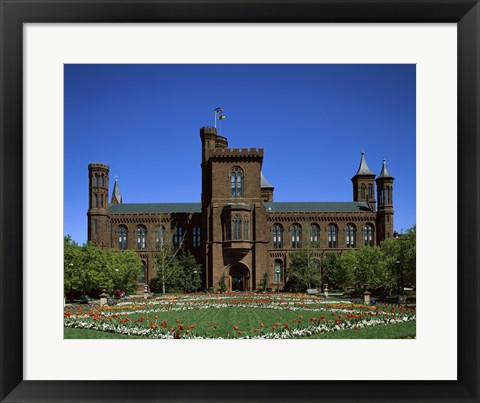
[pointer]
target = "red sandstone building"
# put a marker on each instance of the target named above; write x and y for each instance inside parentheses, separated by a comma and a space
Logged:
(238, 230)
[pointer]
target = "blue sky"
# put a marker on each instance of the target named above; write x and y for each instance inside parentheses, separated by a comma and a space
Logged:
(313, 121)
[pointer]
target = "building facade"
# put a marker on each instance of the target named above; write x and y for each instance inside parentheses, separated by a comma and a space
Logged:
(238, 230)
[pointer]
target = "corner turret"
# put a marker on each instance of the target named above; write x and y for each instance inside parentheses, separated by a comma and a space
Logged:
(98, 218)
(385, 203)
(363, 184)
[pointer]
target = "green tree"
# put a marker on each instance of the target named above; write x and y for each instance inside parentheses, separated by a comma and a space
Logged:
(304, 270)
(124, 269)
(88, 268)
(340, 268)
(400, 260)
(370, 267)
(166, 261)
(185, 274)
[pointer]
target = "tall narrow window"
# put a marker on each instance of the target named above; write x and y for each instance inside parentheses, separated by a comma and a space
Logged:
(314, 231)
(102, 180)
(122, 237)
(95, 180)
(236, 228)
(141, 237)
(95, 200)
(370, 192)
(278, 271)
(159, 236)
(196, 237)
(277, 236)
(368, 234)
(94, 226)
(296, 231)
(236, 182)
(332, 236)
(387, 196)
(362, 191)
(245, 228)
(101, 201)
(177, 236)
(350, 235)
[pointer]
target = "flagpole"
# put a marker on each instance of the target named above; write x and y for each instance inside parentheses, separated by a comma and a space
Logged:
(215, 117)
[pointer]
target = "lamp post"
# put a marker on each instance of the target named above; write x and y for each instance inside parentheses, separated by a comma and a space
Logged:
(277, 275)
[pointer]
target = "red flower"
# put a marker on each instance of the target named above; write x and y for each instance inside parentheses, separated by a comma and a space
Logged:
(211, 323)
(235, 327)
(239, 332)
(286, 325)
(172, 329)
(356, 327)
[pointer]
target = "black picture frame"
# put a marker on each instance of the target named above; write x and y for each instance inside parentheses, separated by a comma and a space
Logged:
(465, 13)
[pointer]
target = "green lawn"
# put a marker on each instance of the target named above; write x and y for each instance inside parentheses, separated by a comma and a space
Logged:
(236, 321)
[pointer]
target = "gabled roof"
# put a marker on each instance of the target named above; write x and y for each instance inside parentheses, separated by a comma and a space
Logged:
(263, 182)
(363, 169)
(317, 207)
(154, 208)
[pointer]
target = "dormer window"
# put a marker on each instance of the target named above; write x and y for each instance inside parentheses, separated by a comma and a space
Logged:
(236, 180)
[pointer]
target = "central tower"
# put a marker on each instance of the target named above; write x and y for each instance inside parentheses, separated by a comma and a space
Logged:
(233, 214)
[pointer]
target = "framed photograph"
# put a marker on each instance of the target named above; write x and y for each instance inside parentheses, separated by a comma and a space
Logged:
(41, 44)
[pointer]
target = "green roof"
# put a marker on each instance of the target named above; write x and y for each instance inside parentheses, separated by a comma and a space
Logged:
(317, 207)
(154, 208)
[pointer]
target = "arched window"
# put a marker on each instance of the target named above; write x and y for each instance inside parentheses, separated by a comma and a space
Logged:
(101, 201)
(245, 228)
(387, 196)
(296, 232)
(236, 228)
(277, 236)
(95, 200)
(102, 180)
(350, 230)
(177, 236)
(122, 237)
(141, 237)
(370, 192)
(362, 191)
(95, 180)
(236, 180)
(159, 236)
(314, 232)
(196, 237)
(278, 271)
(368, 234)
(332, 236)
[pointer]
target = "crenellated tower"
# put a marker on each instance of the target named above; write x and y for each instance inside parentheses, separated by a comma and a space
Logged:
(232, 212)
(385, 204)
(364, 184)
(98, 218)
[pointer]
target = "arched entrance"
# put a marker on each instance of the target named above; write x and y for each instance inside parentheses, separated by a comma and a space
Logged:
(239, 277)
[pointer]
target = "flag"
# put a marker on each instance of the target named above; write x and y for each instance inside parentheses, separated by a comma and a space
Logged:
(221, 117)
(219, 111)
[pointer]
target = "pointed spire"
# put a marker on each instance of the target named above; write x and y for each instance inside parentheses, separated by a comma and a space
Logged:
(363, 168)
(263, 182)
(116, 196)
(384, 172)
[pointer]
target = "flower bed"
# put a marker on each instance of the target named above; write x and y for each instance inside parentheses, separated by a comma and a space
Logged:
(245, 316)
